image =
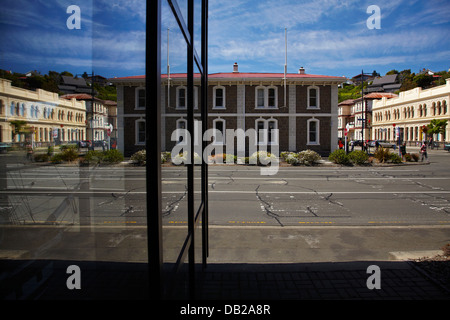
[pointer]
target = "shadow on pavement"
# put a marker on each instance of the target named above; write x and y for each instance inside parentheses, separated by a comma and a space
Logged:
(47, 280)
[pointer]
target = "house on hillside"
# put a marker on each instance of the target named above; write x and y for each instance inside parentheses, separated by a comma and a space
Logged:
(304, 111)
(71, 85)
(388, 83)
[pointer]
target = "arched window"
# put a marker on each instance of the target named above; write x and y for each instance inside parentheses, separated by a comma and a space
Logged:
(181, 97)
(219, 131)
(140, 132)
(313, 131)
(260, 94)
(313, 97)
(219, 97)
(181, 131)
(140, 98)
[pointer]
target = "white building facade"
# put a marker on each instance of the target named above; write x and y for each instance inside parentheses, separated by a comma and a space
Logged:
(405, 116)
(49, 118)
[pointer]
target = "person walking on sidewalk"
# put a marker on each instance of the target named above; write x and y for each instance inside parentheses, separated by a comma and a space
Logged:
(403, 150)
(423, 151)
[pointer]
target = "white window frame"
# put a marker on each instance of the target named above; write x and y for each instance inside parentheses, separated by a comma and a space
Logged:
(223, 106)
(276, 97)
(223, 131)
(178, 98)
(309, 142)
(178, 133)
(265, 133)
(317, 98)
(137, 141)
(185, 98)
(136, 99)
(257, 106)
(266, 97)
(274, 136)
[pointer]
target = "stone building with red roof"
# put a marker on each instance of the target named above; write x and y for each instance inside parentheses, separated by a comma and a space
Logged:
(304, 110)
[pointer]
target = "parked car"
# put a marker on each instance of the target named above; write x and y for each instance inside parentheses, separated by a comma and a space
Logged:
(385, 144)
(357, 143)
(80, 143)
(447, 147)
(4, 147)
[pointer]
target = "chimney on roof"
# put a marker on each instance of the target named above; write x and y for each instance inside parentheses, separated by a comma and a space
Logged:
(301, 70)
(235, 67)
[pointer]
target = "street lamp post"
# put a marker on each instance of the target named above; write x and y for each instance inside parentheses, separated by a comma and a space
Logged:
(92, 106)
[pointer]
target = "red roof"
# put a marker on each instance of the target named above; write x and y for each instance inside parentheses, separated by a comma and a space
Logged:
(238, 75)
(379, 95)
(78, 96)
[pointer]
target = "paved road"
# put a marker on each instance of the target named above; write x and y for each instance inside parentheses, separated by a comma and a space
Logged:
(358, 212)
(416, 194)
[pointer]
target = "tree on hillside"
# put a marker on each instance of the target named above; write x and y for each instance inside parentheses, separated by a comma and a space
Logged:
(423, 80)
(393, 71)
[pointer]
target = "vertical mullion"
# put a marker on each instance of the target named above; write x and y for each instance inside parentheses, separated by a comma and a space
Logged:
(153, 147)
(190, 118)
(204, 62)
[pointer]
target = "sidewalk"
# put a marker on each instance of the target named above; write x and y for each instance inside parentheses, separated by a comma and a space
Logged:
(244, 264)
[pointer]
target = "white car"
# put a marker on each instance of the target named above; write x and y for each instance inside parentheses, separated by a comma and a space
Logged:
(385, 144)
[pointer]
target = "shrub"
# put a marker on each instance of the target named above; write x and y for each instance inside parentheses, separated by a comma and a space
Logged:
(165, 156)
(395, 158)
(415, 157)
(262, 158)
(56, 158)
(69, 154)
(93, 156)
(68, 146)
(382, 154)
(292, 158)
(225, 158)
(284, 155)
(139, 157)
(358, 157)
(308, 157)
(339, 156)
(112, 156)
(183, 158)
(408, 157)
(42, 157)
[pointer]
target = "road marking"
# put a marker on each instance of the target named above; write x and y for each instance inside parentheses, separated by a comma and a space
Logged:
(246, 222)
(315, 222)
(384, 222)
(109, 222)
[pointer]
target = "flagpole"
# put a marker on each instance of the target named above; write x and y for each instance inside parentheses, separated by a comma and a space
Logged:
(285, 63)
(168, 71)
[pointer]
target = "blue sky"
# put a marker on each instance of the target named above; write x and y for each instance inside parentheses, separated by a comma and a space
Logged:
(325, 37)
